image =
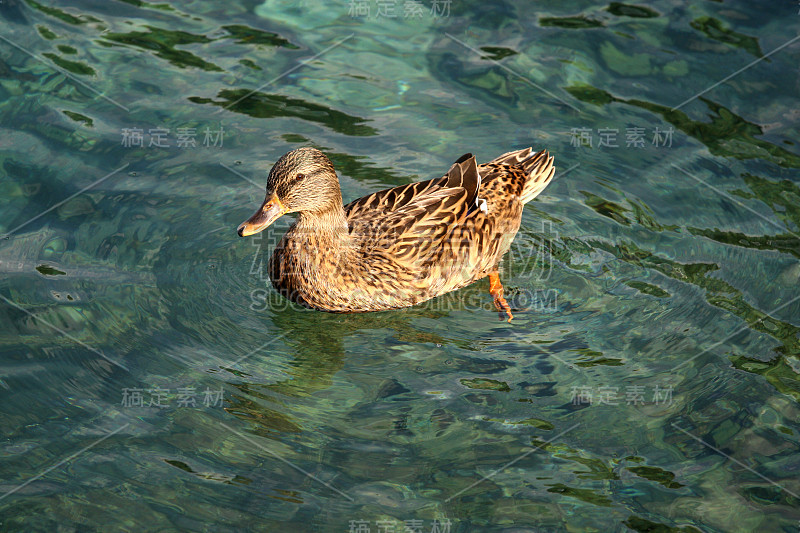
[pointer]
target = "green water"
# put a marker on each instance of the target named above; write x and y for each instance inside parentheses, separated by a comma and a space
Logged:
(153, 381)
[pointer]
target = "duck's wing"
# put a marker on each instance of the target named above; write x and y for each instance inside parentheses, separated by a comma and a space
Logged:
(412, 224)
(417, 233)
(463, 173)
(387, 200)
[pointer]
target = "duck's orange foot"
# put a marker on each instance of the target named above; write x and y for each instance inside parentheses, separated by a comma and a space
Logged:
(496, 290)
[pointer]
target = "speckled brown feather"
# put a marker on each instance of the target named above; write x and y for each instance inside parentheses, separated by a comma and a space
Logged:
(405, 245)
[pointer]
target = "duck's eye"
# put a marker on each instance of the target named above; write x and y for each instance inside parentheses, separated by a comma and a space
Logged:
(299, 177)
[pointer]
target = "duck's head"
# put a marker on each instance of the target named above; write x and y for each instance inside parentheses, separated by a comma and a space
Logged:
(302, 181)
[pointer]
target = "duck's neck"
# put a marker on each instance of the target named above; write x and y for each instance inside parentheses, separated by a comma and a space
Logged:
(329, 225)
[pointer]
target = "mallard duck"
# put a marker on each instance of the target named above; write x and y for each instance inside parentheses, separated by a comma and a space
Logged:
(397, 247)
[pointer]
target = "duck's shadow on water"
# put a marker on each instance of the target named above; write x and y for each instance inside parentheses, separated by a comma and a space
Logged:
(319, 346)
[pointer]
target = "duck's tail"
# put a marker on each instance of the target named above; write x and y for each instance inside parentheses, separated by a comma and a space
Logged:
(538, 167)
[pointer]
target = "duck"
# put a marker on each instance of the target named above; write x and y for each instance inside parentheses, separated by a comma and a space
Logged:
(397, 247)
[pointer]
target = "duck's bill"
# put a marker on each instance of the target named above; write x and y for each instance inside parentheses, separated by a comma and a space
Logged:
(269, 212)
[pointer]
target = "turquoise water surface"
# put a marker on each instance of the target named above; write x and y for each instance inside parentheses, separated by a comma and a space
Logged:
(152, 380)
